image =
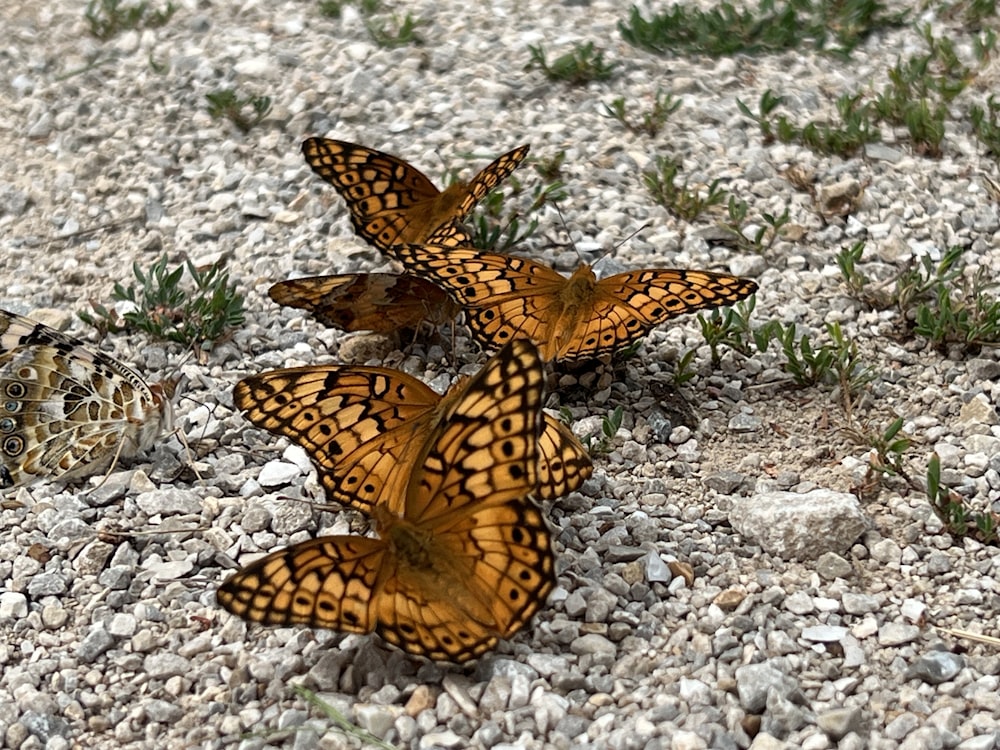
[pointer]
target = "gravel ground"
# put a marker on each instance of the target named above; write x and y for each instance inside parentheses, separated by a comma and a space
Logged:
(808, 619)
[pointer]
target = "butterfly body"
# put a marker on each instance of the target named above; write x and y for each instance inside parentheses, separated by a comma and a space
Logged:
(66, 410)
(391, 201)
(463, 557)
(506, 297)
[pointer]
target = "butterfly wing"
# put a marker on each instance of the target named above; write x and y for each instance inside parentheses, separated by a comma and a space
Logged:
(503, 297)
(328, 582)
(67, 410)
(362, 426)
(379, 188)
(625, 307)
(563, 464)
(482, 579)
(380, 302)
(492, 175)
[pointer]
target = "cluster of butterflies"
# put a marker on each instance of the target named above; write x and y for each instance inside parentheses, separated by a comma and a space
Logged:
(463, 555)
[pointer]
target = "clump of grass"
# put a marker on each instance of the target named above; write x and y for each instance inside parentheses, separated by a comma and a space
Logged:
(680, 199)
(108, 18)
(836, 363)
(244, 112)
(854, 130)
(916, 97)
(335, 8)
(651, 121)
(771, 27)
(581, 65)
(885, 461)
(167, 309)
(946, 305)
(729, 327)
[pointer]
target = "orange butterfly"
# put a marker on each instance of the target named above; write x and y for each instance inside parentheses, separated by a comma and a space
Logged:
(380, 302)
(570, 319)
(392, 201)
(463, 555)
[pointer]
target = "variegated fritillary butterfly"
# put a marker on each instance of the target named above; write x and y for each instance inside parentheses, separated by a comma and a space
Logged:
(463, 556)
(391, 201)
(67, 410)
(380, 302)
(366, 427)
(506, 297)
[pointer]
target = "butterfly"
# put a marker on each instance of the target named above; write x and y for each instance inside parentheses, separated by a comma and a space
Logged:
(367, 427)
(380, 302)
(463, 556)
(392, 201)
(67, 410)
(570, 319)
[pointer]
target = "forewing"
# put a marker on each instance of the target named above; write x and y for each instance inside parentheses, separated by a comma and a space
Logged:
(492, 175)
(626, 306)
(503, 297)
(379, 188)
(362, 426)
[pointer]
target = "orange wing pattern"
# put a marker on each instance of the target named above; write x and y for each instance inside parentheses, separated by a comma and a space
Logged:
(391, 201)
(576, 318)
(463, 556)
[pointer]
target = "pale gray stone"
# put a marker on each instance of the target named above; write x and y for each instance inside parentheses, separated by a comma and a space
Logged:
(800, 526)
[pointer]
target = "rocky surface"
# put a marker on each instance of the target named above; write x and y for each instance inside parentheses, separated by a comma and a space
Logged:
(111, 637)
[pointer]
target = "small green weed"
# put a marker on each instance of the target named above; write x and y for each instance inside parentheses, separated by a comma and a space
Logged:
(243, 112)
(985, 45)
(335, 8)
(331, 8)
(885, 458)
(550, 168)
(499, 225)
(954, 510)
(847, 260)
(767, 232)
(986, 124)
(680, 200)
(856, 128)
(923, 281)
(610, 424)
(165, 309)
(726, 30)
(946, 305)
(837, 363)
(399, 33)
(919, 91)
(349, 729)
(729, 327)
(108, 18)
(583, 64)
(683, 371)
(651, 122)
